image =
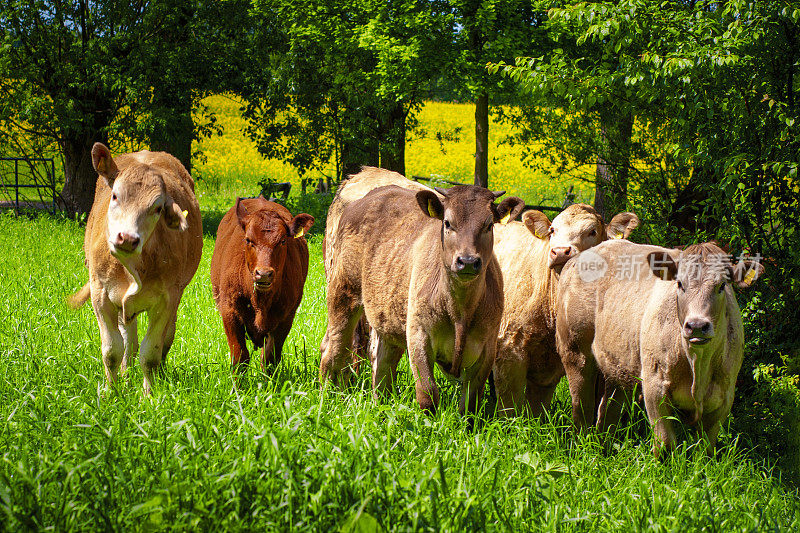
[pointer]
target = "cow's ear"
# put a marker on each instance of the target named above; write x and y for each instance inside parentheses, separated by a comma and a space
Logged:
(175, 217)
(430, 204)
(537, 223)
(242, 214)
(103, 163)
(508, 209)
(663, 265)
(622, 225)
(746, 272)
(300, 225)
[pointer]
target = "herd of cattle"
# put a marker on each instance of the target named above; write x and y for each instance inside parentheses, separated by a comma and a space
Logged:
(445, 275)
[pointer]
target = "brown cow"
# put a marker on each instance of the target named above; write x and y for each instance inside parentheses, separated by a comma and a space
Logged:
(681, 337)
(527, 367)
(258, 270)
(144, 238)
(421, 267)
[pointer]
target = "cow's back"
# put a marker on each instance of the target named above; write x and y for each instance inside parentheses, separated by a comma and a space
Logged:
(373, 250)
(354, 188)
(603, 295)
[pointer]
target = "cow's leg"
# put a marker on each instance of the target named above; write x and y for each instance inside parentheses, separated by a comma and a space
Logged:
(273, 348)
(153, 342)
(130, 339)
(473, 385)
(509, 382)
(419, 350)
(609, 411)
(344, 312)
(659, 413)
(385, 358)
(111, 341)
(582, 391)
(237, 342)
(538, 397)
(169, 334)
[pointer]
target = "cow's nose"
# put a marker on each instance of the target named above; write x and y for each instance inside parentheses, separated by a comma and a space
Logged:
(468, 264)
(265, 275)
(697, 327)
(126, 241)
(560, 255)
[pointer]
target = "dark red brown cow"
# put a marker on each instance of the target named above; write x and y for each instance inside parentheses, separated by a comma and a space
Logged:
(258, 270)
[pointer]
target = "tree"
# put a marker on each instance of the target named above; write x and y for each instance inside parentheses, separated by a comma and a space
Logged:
(342, 79)
(491, 31)
(77, 73)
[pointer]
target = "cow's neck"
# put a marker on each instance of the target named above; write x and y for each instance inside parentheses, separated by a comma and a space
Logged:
(702, 360)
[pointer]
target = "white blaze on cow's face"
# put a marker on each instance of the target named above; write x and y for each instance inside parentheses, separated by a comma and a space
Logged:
(138, 202)
(576, 229)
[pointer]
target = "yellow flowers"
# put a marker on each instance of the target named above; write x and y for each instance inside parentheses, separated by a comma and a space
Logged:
(444, 147)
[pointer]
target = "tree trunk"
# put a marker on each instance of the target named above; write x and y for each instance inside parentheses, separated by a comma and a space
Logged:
(393, 145)
(482, 140)
(611, 175)
(356, 154)
(174, 135)
(80, 177)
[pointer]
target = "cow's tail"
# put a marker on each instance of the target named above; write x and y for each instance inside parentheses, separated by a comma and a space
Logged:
(79, 298)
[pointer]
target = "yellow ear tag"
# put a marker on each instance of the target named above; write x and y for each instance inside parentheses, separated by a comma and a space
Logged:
(504, 220)
(619, 235)
(185, 213)
(749, 277)
(431, 210)
(300, 233)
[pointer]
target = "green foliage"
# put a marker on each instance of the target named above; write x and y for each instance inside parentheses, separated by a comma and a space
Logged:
(280, 453)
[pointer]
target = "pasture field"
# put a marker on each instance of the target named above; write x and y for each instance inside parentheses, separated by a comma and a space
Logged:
(231, 163)
(278, 453)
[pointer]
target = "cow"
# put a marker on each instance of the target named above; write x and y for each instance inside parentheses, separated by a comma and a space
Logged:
(355, 187)
(420, 265)
(531, 254)
(258, 270)
(143, 243)
(666, 319)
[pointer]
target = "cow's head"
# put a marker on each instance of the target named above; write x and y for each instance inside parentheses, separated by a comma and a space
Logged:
(139, 202)
(575, 229)
(468, 214)
(703, 274)
(266, 238)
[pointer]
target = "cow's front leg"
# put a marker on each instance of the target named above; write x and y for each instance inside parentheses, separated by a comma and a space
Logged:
(659, 412)
(111, 342)
(130, 339)
(420, 357)
(384, 357)
(153, 342)
(474, 381)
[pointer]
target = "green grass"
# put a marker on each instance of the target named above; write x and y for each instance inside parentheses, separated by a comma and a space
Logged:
(281, 454)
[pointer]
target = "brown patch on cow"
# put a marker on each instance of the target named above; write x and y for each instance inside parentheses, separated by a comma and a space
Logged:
(258, 270)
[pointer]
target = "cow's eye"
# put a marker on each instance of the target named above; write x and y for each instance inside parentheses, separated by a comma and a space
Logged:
(446, 224)
(551, 230)
(114, 196)
(680, 286)
(158, 210)
(592, 233)
(721, 287)
(283, 241)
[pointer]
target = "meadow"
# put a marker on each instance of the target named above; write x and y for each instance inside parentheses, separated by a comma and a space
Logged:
(278, 453)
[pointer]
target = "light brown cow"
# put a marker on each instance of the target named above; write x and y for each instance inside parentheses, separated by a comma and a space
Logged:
(355, 187)
(143, 242)
(421, 267)
(527, 367)
(680, 337)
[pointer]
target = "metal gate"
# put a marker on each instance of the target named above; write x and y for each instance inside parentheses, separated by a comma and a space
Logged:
(49, 185)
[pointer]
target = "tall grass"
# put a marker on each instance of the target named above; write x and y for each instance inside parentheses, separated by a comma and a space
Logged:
(278, 453)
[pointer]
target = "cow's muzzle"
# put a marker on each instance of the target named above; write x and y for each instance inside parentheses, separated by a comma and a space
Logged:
(560, 255)
(124, 243)
(262, 279)
(467, 266)
(698, 331)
